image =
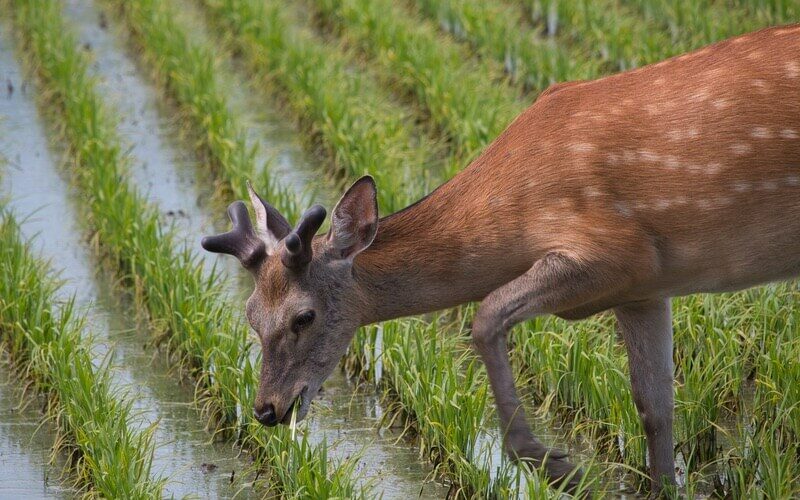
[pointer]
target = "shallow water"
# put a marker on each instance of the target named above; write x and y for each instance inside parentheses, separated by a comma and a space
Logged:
(25, 469)
(348, 417)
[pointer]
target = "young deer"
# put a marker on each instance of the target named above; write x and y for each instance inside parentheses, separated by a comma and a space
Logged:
(676, 178)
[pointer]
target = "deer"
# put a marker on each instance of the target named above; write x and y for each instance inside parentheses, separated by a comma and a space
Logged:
(615, 194)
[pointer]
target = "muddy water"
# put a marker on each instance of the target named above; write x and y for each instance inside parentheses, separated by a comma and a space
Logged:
(33, 181)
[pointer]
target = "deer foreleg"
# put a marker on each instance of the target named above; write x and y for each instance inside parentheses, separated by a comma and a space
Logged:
(646, 328)
(553, 284)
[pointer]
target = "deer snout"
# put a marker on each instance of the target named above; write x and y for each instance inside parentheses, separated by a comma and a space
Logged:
(265, 414)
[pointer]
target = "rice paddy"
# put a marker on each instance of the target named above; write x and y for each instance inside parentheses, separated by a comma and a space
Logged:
(150, 119)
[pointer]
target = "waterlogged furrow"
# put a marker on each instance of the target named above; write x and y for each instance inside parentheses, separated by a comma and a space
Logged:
(603, 29)
(498, 31)
(187, 71)
(198, 326)
(48, 348)
(465, 98)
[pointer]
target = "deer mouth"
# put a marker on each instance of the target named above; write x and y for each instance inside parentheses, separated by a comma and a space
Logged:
(301, 403)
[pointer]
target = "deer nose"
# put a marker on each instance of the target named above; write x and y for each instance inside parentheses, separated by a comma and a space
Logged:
(267, 415)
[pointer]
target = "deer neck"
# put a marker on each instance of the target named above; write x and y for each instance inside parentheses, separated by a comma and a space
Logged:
(430, 256)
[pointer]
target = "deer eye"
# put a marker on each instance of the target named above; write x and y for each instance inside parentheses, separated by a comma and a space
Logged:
(302, 321)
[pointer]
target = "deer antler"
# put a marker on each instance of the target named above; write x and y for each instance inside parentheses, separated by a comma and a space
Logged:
(297, 244)
(242, 241)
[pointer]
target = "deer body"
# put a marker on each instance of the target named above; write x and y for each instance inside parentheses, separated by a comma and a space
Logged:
(619, 193)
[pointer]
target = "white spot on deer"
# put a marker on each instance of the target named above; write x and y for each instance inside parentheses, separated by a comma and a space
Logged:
(792, 69)
(742, 186)
(592, 192)
(768, 185)
(580, 114)
(694, 168)
(615, 110)
(754, 55)
(582, 147)
(792, 180)
(679, 134)
(760, 85)
(761, 133)
(627, 101)
(649, 155)
(723, 200)
(739, 40)
(720, 103)
(703, 203)
(629, 156)
(713, 168)
(659, 81)
(671, 162)
(699, 96)
(662, 204)
(681, 200)
(741, 148)
(613, 158)
(623, 209)
(788, 133)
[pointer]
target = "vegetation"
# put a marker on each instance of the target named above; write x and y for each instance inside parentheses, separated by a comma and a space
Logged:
(467, 100)
(408, 92)
(51, 355)
(170, 283)
(360, 128)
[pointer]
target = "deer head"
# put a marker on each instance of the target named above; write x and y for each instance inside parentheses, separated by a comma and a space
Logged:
(305, 305)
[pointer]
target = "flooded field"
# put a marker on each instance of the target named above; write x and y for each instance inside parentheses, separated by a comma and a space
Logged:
(126, 128)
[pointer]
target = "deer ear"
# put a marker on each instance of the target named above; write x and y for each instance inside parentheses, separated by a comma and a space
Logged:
(271, 226)
(354, 221)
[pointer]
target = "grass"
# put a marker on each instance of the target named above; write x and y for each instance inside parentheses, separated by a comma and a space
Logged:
(186, 71)
(357, 124)
(178, 295)
(467, 99)
(497, 30)
(111, 458)
(605, 30)
(736, 354)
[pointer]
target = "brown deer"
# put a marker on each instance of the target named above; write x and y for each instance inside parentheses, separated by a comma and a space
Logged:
(619, 193)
